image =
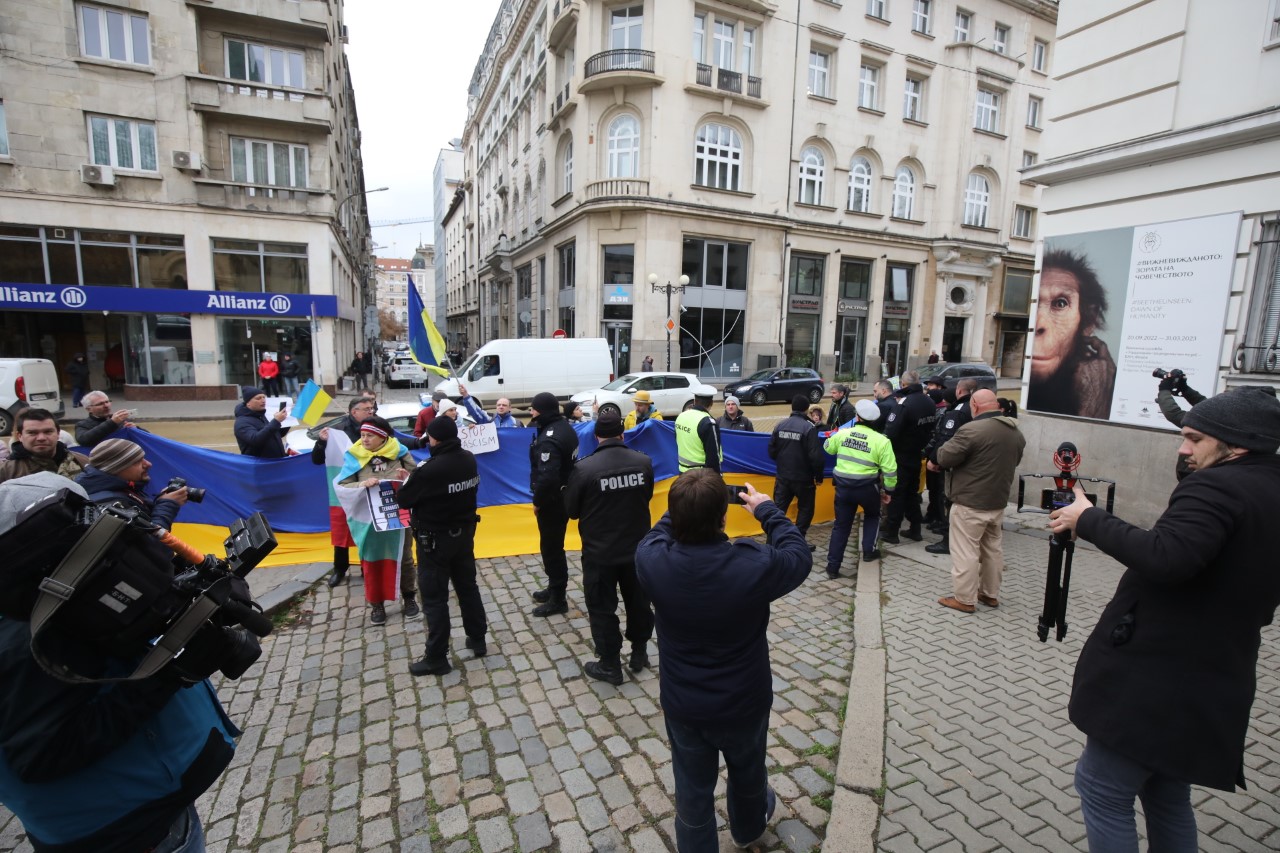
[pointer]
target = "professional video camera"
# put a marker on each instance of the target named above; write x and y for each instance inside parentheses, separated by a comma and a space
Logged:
(101, 578)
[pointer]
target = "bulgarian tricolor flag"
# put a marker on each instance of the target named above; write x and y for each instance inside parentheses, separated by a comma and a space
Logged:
(334, 452)
(379, 550)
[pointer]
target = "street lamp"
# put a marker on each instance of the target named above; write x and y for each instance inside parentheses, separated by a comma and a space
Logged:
(668, 289)
(354, 194)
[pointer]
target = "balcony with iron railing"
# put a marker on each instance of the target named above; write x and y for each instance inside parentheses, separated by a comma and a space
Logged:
(724, 80)
(561, 105)
(563, 20)
(617, 188)
(625, 67)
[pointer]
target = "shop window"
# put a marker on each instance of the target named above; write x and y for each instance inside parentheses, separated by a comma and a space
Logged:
(254, 267)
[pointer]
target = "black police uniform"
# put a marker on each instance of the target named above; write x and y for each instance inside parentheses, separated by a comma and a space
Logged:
(948, 424)
(552, 453)
(609, 491)
(441, 497)
(909, 428)
(796, 447)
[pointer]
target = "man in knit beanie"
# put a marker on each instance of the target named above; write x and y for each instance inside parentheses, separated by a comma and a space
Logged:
(1164, 684)
(118, 476)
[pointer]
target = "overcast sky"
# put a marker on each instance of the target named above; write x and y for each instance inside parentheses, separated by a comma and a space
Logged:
(411, 62)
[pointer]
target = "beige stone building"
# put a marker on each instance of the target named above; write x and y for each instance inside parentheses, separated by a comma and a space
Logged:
(838, 181)
(180, 190)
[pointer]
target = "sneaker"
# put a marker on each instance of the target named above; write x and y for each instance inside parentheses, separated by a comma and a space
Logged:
(542, 596)
(771, 805)
(913, 534)
(938, 548)
(871, 556)
(603, 672)
(411, 608)
(477, 647)
(426, 666)
(378, 614)
(639, 660)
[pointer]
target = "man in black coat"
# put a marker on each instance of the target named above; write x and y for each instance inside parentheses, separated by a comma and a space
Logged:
(441, 495)
(796, 447)
(841, 409)
(1164, 683)
(552, 453)
(256, 434)
(102, 423)
(77, 371)
(948, 424)
(909, 428)
(609, 491)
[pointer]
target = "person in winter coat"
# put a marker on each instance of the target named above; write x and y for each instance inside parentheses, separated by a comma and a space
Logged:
(359, 409)
(256, 434)
(552, 453)
(609, 491)
(643, 411)
(981, 460)
(77, 371)
(102, 423)
(360, 368)
(841, 408)
(1165, 682)
(36, 448)
(909, 428)
(948, 423)
(797, 449)
(711, 598)
(117, 475)
(290, 370)
(733, 417)
(269, 372)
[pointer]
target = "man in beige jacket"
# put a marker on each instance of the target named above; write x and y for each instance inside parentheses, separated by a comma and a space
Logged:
(980, 461)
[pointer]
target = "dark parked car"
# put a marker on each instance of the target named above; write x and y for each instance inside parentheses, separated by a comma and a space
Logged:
(951, 373)
(778, 384)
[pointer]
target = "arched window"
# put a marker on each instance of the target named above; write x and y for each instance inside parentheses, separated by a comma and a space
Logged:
(977, 200)
(812, 169)
(904, 193)
(717, 157)
(860, 185)
(566, 168)
(624, 147)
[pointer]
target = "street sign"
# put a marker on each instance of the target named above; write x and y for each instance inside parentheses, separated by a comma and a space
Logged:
(559, 334)
(671, 325)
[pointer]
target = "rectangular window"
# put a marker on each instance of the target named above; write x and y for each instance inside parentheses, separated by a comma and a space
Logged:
(1000, 41)
(1024, 222)
(1039, 55)
(748, 50)
(986, 111)
(869, 87)
(1273, 23)
(1029, 158)
(4, 133)
(920, 11)
(710, 263)
(1017, 292)
(568, 265)
(258, 267)
(819, 73)
(855, 279)
(122, 143)
(723, 44)
(963, 20)
(806, 274)
(115, 34)
(277, 164)
(1034, 105)
(699, 37)
(260, 63)
(913, 99)
(897, 284)
(875, 8)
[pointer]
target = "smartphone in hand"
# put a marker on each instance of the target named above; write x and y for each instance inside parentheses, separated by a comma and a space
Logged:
(734, 493)
(283, 405)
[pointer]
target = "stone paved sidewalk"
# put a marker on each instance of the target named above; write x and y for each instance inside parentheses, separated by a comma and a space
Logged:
(979, 752)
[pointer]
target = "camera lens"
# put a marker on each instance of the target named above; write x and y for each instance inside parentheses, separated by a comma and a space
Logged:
(195, 495)
(241, 649)
(1159, 373)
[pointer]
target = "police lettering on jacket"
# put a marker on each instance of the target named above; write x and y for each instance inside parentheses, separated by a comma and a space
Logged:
(623, 481)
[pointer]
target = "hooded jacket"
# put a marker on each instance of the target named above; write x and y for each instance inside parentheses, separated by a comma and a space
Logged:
(257, 435)
(981, 460)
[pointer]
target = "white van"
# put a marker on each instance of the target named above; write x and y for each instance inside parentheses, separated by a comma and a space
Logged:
(519, 368)
(27, 382)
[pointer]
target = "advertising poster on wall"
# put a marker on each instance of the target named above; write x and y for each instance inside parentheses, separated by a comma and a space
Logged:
(1115, 305)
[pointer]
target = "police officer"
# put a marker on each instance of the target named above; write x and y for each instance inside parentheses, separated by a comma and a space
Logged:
(441, 495)
(697, 436)
(864, 460)
(610, 491)
(909, 429)
(797, 449)
(949, 422)
(551, 456)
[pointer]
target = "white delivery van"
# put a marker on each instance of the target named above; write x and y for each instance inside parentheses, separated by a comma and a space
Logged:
(519, 368)
(27, 382)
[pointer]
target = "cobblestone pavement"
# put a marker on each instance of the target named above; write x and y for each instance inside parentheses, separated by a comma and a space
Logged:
(979, 752)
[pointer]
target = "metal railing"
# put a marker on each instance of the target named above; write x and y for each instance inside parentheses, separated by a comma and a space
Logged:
(619, 60)
(1258, 359)
(727, 81)
(561, 99)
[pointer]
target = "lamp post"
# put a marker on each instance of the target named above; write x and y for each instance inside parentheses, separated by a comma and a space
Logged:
(668, 289)
(354, 194)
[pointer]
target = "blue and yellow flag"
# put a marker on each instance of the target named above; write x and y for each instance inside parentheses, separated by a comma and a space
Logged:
(312, 401)
(425, 341)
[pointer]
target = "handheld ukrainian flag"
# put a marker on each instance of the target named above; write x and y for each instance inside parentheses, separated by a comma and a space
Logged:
(425, 341)
(312, 401)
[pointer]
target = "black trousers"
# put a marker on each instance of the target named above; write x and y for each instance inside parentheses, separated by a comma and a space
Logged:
(446, 557)
(906, 497)
(600, 585)
(552, 521)
(936, 481)
(804, 491)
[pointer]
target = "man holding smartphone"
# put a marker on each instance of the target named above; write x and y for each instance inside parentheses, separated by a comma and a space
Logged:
(256, 434)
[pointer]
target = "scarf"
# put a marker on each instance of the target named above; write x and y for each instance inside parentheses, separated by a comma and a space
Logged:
(358, 456)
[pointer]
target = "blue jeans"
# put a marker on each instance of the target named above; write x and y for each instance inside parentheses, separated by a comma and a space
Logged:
(848, 498)
(1107, 783)
(695, 763)
(291, 386)
(185, 836)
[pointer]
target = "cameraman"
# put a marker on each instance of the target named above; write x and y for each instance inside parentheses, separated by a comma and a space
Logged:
(117, 475)
(1174, 384)
(101, 767)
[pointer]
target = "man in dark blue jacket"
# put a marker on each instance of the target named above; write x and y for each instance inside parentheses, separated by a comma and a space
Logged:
(117, 475)
(711, 596)
(256, 434)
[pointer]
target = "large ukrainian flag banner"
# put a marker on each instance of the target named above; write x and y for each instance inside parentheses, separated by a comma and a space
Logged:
(294, 492)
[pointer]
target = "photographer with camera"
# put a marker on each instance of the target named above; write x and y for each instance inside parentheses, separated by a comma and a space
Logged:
(117, 475)
(1173, 383)
(1165, 682)
(98, 766)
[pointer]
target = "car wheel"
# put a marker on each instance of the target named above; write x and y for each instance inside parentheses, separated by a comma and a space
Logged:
(610, 407)
(815, 394)
(759, 398)
(6, 423)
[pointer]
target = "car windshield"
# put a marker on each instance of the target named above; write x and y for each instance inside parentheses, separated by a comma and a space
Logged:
(927, 370)
(621, 382)
(762, 374)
